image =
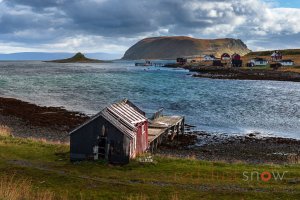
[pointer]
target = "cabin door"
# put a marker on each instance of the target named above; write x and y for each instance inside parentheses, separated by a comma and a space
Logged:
(102, 143)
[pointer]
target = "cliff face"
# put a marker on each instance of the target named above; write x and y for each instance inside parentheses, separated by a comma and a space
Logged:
(174, 47)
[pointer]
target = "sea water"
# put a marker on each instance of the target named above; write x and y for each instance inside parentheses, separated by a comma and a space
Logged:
(221, 106)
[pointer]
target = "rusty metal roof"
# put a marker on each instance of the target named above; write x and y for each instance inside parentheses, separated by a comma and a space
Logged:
(124, 116)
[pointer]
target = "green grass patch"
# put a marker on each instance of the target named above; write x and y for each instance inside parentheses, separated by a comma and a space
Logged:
(48, 168)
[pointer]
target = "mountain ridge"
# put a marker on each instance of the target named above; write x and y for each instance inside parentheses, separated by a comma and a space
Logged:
(171, 47)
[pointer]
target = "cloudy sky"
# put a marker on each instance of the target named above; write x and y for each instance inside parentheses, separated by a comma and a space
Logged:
(112, 26)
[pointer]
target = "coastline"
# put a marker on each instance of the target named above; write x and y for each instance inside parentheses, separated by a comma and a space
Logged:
(26, 120)
(215, 72)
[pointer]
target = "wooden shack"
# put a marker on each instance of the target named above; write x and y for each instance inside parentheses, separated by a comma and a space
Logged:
(116, 134)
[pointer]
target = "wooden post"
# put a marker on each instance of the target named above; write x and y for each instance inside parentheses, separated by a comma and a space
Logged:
(107, 151)
(182, 126)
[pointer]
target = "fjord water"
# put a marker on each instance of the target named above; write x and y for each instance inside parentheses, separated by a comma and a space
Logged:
(223, 106)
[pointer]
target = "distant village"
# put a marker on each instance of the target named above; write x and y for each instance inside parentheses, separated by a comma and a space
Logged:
(275, 60)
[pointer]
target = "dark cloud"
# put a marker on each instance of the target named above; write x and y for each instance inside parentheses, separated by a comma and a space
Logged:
(37, 3)
(47, 21)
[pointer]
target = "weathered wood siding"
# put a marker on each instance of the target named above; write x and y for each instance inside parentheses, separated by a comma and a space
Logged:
(85, 138)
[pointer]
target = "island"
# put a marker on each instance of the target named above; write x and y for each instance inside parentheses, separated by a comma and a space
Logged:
(78, 58)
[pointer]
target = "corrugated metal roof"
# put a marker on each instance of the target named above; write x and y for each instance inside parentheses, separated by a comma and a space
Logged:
(124, 116)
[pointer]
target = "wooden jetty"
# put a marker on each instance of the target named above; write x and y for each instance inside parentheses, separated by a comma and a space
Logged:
(148, 63)
(163, 128)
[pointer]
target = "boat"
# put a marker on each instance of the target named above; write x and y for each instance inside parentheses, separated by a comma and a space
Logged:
(146, 63)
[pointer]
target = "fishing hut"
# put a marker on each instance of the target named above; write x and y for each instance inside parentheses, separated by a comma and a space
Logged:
(120, 132)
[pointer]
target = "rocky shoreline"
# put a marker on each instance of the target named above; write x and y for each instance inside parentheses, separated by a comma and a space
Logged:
(25, 120)
(247, 74)
(251, 148)
(28, 120)
(215, 72)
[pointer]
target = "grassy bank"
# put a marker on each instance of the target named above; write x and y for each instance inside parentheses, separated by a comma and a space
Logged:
(42, 169)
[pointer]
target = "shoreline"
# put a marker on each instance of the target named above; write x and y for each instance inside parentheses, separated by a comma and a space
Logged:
(252, 148)
(27, 120)
(214, 72)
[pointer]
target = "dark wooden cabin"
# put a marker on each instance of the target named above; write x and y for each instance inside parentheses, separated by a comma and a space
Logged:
(181, 61)
(116, 134)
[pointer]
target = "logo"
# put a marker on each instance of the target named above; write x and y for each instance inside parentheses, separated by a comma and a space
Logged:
(264, 176)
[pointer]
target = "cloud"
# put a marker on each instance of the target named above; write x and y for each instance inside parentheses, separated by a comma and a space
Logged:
(109, 24)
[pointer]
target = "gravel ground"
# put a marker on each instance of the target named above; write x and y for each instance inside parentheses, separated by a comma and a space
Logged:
(251, 148)
(18, 128)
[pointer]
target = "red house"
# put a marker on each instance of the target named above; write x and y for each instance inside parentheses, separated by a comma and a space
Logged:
(236, 57)
(276, 56)
(236, 60)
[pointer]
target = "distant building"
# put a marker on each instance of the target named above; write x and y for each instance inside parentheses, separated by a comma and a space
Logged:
(194, 59)
(209, 58)
(181, 61)
(236, 60)
(225, 56)
(258, 62)
(287, 62)
(218, 63)
(276, 56)
(236, 56)
(116, 134)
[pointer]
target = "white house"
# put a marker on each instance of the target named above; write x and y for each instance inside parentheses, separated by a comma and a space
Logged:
(193, 59)
(258, 62)
(209, 58)
(287, 62)
(225, 56)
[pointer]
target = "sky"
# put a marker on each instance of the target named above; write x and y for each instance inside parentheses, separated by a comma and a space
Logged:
(112, 26)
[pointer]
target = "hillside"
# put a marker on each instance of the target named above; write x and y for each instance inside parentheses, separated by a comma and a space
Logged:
(292, 54)
(39, 170)
(78, 58)
(178, 46)
(284, 52)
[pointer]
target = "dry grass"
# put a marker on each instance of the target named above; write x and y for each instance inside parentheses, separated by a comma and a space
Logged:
(45, 141)
(20, 189)
(138, 197)
(144, 197)
(5, 131)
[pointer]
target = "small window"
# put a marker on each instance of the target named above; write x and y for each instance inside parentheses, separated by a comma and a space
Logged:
(143, 128)
(103, 130)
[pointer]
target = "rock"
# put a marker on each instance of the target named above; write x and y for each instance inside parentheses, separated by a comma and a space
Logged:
(251, 135)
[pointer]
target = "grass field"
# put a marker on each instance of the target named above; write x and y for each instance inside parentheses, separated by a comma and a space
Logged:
(38, 170)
